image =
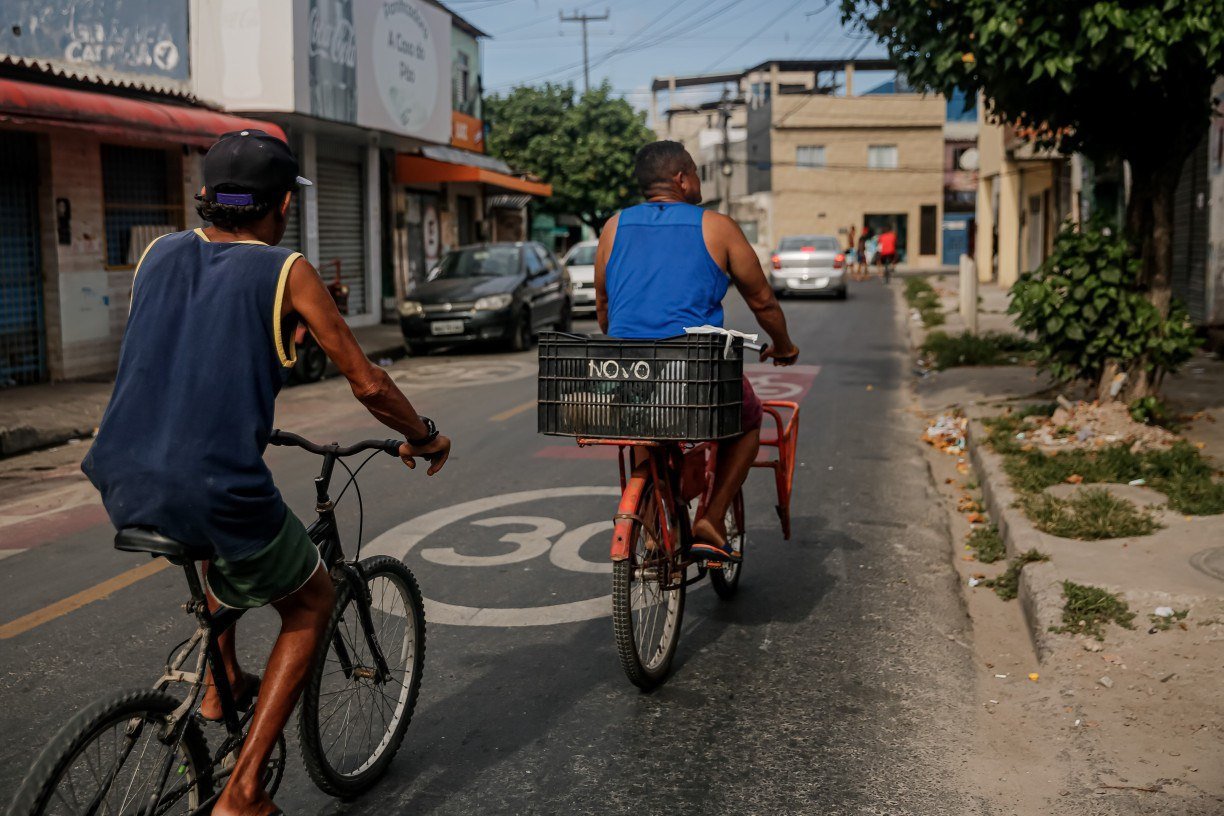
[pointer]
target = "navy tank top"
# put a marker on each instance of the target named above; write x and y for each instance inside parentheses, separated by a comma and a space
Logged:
(660, 278)
(180, 448)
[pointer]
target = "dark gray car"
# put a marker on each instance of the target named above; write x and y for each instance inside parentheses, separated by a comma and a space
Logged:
(505, 292)
(809, 263)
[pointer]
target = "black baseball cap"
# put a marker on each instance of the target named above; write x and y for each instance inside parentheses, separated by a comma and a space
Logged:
(249, 165)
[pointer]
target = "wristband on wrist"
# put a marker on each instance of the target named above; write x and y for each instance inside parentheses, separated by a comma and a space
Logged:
(431, 433)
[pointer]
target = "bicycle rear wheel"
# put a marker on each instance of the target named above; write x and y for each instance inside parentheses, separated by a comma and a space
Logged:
(352, 721)
(648, 598)
(112, 757)
(725, 579)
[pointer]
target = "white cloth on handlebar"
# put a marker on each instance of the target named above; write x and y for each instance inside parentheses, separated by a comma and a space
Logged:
(729, 333)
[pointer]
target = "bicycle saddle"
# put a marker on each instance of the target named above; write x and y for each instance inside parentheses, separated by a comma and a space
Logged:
(139, 539)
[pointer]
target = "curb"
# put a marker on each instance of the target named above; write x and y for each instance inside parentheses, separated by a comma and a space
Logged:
(26, 438)
(1040, 591)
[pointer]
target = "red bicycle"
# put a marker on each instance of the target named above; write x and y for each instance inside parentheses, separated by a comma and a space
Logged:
(653, 535)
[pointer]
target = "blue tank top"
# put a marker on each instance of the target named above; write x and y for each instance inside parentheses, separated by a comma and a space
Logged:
(660, 278)
(180, 447)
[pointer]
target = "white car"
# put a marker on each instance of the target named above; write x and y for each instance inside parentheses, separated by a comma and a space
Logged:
(580, 261)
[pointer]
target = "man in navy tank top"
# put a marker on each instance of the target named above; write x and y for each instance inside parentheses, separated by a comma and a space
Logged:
(664, 266)
(208, 343)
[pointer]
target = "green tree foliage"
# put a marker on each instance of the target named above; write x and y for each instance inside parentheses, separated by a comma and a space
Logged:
(1113, 79)
(582, 144)
(1090, 318)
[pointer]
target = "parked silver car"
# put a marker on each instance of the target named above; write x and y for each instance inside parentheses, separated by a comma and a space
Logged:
(580, 261)
(809, 263)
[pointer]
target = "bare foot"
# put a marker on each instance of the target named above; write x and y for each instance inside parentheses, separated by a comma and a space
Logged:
(210, 706)
(704, 529)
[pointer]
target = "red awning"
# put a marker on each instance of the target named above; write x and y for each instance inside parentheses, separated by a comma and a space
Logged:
(111, 115)
(420, 170)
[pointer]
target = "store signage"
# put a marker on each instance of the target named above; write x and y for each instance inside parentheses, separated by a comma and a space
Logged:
(467, 132)
(403, 60)
(333, 60)
(105, 37)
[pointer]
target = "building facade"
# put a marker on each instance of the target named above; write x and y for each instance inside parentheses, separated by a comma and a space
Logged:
(816, 158)
(101, 151)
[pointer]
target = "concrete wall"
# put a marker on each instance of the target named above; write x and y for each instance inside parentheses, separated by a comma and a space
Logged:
(832, 198)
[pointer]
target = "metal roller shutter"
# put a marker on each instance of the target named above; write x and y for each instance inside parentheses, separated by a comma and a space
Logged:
(342, 227)
(1190, 234)
(293, 224)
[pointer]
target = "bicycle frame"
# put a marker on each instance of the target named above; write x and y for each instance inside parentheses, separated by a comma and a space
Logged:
(205, 642)
(667, 459)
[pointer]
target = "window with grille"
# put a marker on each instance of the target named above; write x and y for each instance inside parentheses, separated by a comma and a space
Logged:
(810, 156)
(882, 157)
(463, 84)
(141, 199)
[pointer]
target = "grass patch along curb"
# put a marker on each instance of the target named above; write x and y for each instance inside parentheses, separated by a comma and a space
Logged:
(987, 544)
(1181, 473)
(1007, 585)
(1092, 514)
(942, 350)
(1089, 609)
(920, 295)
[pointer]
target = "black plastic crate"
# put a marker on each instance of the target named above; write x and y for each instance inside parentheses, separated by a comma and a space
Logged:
(683, 388)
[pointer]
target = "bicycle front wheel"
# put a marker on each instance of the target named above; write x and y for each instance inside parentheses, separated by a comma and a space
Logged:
(648, 598)
(118, 756)
(353, 721)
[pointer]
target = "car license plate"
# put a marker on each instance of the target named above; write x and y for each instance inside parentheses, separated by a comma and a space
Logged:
(446, 327)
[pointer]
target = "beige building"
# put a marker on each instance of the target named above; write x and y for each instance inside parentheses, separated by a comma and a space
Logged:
(819, 161)
(1024, 195)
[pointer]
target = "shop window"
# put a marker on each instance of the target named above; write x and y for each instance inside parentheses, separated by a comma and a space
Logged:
(141, 199)
(927, 227)
(882, 157)
(810, 156)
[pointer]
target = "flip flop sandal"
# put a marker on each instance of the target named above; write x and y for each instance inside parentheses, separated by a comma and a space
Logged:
(243, 702)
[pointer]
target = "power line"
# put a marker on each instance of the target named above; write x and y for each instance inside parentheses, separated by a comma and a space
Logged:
(584, 19)
(753, 35)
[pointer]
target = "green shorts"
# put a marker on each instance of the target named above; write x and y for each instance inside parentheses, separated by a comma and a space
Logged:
(278, 570)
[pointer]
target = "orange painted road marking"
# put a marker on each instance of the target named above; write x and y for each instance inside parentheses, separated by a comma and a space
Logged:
(513, 412)
(83, 598)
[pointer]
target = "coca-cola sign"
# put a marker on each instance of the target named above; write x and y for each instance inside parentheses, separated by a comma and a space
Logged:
(332, 37)
(333, 60)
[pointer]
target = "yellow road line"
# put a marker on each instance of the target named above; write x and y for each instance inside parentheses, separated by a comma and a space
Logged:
(86, 596)
(513, 412)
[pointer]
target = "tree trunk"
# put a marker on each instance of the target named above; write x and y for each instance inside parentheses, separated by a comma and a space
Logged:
(1149, 224)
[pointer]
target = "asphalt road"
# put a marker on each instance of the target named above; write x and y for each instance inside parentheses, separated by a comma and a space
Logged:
(832, 684)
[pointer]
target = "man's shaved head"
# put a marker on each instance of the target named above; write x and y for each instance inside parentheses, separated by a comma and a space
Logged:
(658, 163)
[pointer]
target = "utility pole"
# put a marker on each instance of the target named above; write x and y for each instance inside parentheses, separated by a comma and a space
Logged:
(584, 19)
(725, 168)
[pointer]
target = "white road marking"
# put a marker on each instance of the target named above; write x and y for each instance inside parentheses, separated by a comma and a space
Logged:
(400, 540)
(530, 544)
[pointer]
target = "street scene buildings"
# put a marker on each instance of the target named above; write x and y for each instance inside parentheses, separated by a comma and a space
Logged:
(982, 574)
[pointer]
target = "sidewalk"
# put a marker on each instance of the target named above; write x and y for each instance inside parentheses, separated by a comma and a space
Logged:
(1180, 564)
(1139, 709)
(40, 416)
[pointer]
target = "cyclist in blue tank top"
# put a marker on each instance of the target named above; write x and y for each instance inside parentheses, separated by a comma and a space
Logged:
(664, 266)
(180, 448)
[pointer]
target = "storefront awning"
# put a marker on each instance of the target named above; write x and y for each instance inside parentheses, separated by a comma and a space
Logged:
(420, 170)
(118, 116)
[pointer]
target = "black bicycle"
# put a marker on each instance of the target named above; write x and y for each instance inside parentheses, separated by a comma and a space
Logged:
(144, 751)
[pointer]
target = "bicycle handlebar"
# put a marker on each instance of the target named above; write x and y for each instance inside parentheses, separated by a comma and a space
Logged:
(285, 439)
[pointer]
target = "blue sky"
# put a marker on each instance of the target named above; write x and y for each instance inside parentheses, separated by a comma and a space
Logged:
(648, 38)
